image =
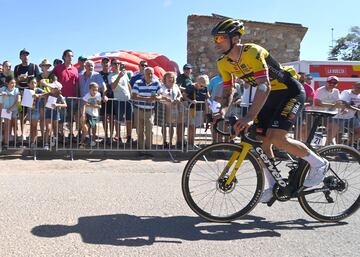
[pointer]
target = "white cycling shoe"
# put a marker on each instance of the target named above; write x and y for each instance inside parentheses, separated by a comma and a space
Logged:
(316, 175)
(266, 195)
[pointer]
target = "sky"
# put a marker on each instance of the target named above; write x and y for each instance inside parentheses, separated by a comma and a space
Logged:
(47, 28)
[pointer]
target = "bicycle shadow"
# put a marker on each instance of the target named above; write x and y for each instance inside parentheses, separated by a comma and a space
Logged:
(131, 230)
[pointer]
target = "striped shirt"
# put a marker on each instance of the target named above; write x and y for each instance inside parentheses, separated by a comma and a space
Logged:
(140, 88)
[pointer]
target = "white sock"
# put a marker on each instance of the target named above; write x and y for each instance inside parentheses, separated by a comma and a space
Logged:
(269, 178)
(314, 160)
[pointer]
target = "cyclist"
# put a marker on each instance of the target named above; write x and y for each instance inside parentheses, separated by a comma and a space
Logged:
(279, 97)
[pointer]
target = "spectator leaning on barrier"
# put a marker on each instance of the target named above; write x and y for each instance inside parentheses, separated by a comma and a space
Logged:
(350, 111)
(214, 94)
(122, 94)
(185, 79)
(196, 95)
(92, 104)
(169, 108)
(145, 93)
(33, 113)
(139, 74)
(305, 80)
(45, 78)
(68, 77)
(52, 113)
(328, 98)
(10, 98)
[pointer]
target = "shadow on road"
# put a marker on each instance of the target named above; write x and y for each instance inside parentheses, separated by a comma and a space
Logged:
(131, 230)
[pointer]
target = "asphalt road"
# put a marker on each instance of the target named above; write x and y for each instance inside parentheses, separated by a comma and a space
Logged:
(132, 207)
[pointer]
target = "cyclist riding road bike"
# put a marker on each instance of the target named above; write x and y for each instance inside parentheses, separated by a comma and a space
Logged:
(278, 100)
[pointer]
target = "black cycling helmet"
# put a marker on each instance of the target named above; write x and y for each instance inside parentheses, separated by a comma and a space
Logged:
(229, 27)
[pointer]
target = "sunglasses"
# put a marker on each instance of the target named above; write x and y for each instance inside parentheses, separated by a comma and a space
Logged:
(219, 39)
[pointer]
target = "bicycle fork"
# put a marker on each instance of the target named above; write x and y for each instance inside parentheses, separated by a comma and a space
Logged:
(239, 158)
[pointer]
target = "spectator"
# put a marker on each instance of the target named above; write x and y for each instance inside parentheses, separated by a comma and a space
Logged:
(68, 77)
(92, 104)
(196, 95)
(81, 63)
(349, 114)
(90, 76)
(139, 74)
(122, 93)
(328, 98)
(21, 73)
(10, 99)
(1, 68)
(57, 61)
(34, 112)
(214, 94)
(25, 69)
(145, 93)
(6, 72)
(185, 79)
(169, 110)
(305, 80)
(107, 108)
(45, 78)
(52, 114)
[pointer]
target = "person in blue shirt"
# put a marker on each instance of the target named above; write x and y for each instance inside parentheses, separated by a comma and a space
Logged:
(196, 95)
(145, 93)
(10, 98)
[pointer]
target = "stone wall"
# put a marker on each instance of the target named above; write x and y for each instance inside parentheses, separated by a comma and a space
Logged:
(282, 40)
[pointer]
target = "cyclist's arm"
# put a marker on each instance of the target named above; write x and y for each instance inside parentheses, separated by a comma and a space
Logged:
(262, 93)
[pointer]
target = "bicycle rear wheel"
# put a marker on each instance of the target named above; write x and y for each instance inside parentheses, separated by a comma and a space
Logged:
(343, 180)
(206, 193)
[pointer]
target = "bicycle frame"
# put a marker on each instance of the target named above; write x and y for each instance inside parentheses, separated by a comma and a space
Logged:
(291, 188)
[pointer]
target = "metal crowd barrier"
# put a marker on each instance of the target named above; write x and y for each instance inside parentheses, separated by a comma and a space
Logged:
(170, 127)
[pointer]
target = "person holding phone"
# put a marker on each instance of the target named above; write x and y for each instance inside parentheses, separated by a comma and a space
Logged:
(122, 107)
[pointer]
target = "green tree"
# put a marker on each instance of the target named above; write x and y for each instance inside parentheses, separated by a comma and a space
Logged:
(348, 48)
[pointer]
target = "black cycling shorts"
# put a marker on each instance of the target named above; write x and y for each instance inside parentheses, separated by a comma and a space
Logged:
(281, 109)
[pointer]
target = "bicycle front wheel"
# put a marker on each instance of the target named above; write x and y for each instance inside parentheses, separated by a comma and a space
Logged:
(343, 180)
(205, 190)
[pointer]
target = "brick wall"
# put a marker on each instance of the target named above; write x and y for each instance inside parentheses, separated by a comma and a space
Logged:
(282, 40)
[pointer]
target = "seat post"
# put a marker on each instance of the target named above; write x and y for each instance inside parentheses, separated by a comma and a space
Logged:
(313, 128)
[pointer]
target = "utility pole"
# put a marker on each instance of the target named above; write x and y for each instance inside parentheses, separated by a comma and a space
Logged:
(332, 58)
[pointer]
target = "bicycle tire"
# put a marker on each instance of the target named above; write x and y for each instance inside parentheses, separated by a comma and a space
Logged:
(345, 163)
(222, 127)
(203, 170)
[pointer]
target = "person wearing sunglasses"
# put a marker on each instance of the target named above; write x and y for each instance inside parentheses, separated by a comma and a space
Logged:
(278, 100)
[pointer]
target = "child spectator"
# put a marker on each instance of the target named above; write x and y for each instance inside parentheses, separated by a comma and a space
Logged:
(52, 113)
(45, 78)
(92, 104)
(10, 99)
(33, 113)
(196, 93)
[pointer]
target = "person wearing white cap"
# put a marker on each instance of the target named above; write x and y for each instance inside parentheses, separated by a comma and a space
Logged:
(328, 98)
(52, 114)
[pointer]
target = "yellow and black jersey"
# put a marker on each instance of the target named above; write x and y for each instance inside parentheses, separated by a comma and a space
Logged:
(256, 62)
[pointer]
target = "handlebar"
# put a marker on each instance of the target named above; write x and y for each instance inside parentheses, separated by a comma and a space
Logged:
(225, 127)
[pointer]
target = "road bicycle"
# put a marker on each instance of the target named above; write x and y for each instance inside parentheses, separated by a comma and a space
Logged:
(224, 181)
